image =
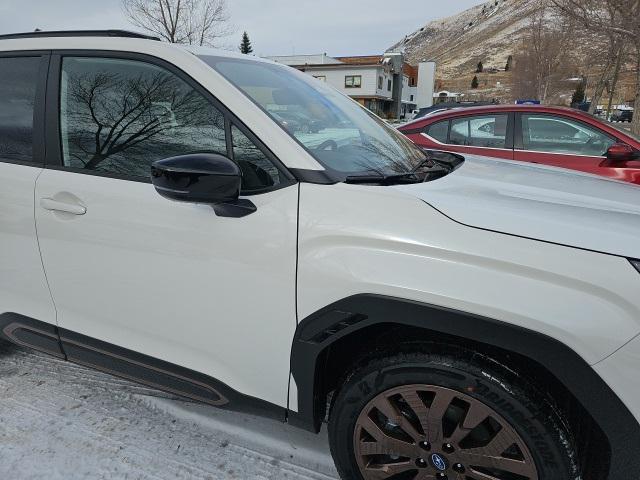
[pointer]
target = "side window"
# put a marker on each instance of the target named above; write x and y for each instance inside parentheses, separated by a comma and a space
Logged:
(18, 79)
(545, 133)
(480, 131)
(438, 131)
(257, 170)
(118, 116)
(352, 81)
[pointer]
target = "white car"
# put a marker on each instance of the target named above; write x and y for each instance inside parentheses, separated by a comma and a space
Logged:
(461, 319)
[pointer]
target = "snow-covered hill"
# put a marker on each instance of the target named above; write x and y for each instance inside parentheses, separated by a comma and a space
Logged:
(488, 32)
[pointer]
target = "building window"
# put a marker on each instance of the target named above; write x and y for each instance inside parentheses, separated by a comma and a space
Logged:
(353, 81)
(380, 80)
(322, 78)
(389, 85)
(411, 98)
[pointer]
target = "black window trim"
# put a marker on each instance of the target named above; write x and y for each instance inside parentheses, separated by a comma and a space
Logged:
(39, 108)
(53, 157)
(519, 135)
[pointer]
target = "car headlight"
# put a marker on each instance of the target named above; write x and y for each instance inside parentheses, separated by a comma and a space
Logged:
(636, 263)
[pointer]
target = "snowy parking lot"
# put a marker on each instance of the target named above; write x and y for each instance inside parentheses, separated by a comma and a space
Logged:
(63, 421)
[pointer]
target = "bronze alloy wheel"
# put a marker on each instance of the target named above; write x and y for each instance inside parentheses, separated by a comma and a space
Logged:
(426, 432)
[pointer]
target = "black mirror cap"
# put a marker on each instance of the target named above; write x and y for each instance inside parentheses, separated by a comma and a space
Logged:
(197, 178)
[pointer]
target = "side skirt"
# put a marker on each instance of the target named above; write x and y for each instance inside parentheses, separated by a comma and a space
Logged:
(124, 363)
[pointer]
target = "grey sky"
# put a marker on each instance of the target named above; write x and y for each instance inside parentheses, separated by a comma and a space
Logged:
(276, 27)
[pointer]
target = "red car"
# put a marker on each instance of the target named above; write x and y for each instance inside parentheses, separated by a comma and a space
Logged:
(556, 136)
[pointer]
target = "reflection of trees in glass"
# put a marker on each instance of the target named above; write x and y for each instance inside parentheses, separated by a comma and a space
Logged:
(121, 123)
(386, 158)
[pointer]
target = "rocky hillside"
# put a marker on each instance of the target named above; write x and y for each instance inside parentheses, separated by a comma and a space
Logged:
(488, 32)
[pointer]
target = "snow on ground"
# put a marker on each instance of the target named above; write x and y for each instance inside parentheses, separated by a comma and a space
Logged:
(63, 421)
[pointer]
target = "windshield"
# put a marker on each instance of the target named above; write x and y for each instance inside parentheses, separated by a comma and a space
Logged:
(337, 131)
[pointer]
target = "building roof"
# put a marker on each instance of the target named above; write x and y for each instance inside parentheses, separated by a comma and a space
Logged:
(313, 59)
(362, 60)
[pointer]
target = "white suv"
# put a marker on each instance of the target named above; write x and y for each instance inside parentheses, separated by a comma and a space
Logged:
(236, 232)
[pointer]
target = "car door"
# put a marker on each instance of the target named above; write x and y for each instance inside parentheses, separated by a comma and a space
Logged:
(23, 287)
(165, 280)
(568, 143)
(487, 134)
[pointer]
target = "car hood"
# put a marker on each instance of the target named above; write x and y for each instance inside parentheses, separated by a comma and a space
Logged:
(538, 202)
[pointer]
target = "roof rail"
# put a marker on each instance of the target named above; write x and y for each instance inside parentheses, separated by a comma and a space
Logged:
(79, 33)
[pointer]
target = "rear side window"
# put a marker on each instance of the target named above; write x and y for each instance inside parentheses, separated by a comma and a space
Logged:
(18, 79)
(439, 131)
(480, 131)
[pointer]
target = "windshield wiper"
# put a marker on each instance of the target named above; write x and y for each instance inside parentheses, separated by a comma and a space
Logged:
(384, 179)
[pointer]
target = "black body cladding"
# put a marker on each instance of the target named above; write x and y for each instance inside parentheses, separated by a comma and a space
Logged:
(608, 411)
(131, 365)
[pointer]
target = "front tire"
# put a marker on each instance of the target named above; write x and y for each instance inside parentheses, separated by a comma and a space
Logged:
(453, 415)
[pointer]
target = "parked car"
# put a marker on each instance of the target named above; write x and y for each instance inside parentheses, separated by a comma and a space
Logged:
(296, 122)
(444, 106)
(452, 318)
(622, 116)
(556, 136)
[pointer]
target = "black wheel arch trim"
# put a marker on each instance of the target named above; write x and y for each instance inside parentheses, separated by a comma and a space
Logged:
(352, 314)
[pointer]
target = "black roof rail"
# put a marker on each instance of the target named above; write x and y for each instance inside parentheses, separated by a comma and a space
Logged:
(79, 33)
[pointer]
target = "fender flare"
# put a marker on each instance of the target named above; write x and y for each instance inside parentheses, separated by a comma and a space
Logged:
(348, 316)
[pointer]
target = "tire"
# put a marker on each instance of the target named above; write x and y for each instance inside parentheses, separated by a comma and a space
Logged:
(366, 444)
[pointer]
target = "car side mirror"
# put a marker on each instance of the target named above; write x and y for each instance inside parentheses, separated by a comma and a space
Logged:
(202, 178)
(621, 152)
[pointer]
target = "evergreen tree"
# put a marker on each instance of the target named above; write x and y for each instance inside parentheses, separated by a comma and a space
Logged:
(579, 95)
(245, 45)
(480, 68)
(475, 83)
(509, 63)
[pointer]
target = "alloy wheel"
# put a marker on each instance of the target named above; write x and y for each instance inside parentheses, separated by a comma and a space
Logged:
(427, 432)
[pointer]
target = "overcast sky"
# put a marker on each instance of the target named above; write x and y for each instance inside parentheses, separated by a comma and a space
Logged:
(276, 27)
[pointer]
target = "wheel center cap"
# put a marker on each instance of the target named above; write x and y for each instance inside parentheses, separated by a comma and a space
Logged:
(439, 462)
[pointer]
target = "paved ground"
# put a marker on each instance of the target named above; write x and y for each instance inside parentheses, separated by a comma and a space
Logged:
(62, 421)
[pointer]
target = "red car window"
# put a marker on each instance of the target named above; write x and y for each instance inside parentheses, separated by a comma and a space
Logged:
(547, 133)
(480, 131)
(439, 131)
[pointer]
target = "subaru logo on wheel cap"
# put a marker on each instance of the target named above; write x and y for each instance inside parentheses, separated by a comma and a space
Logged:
(438, 462)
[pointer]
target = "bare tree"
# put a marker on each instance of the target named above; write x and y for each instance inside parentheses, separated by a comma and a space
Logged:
(541, 64)
(194, 22)
(619, 18)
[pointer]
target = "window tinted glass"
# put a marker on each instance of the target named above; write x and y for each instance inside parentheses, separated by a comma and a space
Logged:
(545, 133)
(257, 170)
(439, 131)
(119, 116)
(480, 131)
(18, 78)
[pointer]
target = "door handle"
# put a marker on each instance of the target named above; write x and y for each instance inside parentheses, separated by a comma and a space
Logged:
(51, 204)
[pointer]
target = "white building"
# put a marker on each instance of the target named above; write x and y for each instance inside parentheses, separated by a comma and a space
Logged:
(385, 84)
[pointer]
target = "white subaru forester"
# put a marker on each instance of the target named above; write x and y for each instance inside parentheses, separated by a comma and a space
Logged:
(236, 232)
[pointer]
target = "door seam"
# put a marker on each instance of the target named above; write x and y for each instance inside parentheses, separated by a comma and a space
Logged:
(44, 270)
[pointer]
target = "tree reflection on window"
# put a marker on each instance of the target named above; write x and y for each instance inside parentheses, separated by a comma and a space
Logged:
(118, 116)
